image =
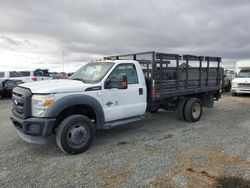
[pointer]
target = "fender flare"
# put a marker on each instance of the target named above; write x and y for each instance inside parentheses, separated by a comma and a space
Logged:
(77, 99)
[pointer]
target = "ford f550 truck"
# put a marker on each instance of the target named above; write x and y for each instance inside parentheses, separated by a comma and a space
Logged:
(115, 91)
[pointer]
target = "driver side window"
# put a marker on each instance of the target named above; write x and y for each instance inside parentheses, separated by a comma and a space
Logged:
(125, 69)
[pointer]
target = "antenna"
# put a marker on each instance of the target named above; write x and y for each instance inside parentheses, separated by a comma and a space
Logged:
(63, 59)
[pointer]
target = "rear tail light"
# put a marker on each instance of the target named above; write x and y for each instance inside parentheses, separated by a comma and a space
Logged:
(153, 90)
(34, 78)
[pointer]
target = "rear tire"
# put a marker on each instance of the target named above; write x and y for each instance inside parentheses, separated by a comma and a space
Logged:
(193, 110)
(75, 134)
(181, 108)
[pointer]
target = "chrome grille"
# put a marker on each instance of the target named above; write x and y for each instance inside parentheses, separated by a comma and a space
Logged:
(244, 85)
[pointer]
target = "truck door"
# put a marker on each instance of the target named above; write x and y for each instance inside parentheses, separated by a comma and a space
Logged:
(124, 103)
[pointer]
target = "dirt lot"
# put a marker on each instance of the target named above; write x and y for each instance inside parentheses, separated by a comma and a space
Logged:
(161, 151)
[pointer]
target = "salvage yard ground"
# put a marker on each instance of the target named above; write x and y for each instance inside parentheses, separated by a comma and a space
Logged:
(161, 151)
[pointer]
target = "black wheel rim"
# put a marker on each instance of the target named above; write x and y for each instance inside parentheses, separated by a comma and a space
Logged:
(78, 135)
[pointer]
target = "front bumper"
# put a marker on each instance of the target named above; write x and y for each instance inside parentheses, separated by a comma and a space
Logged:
(33, 130)
(240, 90)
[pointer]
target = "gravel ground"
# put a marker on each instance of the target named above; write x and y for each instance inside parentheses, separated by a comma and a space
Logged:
(161, 151)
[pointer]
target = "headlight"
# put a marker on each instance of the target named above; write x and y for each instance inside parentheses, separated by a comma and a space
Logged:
(40, 104)
(234, 84)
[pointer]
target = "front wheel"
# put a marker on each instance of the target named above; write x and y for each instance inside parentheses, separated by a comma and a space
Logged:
(75, 134)
(193, 110)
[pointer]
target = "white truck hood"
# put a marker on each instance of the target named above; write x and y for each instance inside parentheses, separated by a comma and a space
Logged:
(56, 86)
(241, 80)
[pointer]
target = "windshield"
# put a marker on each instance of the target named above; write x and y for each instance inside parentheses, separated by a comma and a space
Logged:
(244, 74)
(92, 72)
(1, 74)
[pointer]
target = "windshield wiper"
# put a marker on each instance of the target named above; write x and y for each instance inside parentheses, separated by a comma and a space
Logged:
(78, 79)
(85, 81)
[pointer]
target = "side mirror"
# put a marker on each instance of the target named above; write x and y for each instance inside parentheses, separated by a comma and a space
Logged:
(118, 83)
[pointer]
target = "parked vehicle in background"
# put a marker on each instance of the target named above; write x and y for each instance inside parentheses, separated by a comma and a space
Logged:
(61, 75)
(6, 86)
(26, 76)
(11, 75)
(115, 91)
(70, 74)
(229, 75)
(241, 83)
(37, 75)
(8, 80)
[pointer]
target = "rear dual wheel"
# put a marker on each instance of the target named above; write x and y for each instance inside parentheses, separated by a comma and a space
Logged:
(193, 110)
(181, 109)
(190, 109)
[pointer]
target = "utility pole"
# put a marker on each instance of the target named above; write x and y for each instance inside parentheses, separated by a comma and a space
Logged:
(63, 59)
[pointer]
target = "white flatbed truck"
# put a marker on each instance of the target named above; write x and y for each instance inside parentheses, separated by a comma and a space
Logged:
(115, 91)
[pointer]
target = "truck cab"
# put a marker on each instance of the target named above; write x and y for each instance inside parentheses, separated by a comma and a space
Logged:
(107, 93)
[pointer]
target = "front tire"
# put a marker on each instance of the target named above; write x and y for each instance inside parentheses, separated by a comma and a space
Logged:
(193, 110)
(75, 134)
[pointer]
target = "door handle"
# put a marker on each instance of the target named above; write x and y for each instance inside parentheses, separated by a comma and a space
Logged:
(140, 91)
